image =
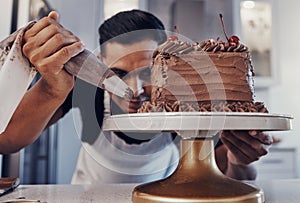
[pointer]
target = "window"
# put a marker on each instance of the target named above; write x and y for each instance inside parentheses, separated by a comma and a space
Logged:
(115, 6)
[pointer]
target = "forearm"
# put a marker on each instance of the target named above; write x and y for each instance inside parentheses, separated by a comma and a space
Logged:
(30, 118)
(241, 172)
(236, 171)
(244, 148)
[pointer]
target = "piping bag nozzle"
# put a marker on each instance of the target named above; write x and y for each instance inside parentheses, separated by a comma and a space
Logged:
(89, 68)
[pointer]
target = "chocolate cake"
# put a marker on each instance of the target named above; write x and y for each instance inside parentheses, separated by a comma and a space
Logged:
(209, 76)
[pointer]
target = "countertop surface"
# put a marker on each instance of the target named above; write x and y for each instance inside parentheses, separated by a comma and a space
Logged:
(276, 191)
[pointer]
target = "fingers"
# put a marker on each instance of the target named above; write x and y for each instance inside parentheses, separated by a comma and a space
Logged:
(262, 137)
(243, 152)
(54, 63)
(48, 44)
(45, 35)
(54, 15)
(48, 41)
(253, 141)
(237, 156)
(244, 147)
(38, 26)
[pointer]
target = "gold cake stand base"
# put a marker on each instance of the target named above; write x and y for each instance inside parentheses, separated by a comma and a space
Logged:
(197, 179)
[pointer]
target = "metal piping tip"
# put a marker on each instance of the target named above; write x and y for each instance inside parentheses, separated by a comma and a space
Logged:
(87, 67)
(128, 94)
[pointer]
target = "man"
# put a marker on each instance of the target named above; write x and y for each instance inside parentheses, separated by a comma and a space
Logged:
(111, 156)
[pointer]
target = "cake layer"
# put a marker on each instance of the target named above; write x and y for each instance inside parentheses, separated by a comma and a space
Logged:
(198, 96)
(202, 77)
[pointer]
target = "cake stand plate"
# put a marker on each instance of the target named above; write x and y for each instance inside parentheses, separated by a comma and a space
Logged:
(197, 178)
(190, 121)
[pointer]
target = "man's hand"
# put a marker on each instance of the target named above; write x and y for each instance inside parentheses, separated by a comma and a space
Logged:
(245, 147)
(48, 46)
(241, 148)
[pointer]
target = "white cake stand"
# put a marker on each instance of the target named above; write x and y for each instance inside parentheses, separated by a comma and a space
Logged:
(197, 177)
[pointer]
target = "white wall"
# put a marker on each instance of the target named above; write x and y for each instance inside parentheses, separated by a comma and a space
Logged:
(284, 96)
(81, 17)
(5, 13)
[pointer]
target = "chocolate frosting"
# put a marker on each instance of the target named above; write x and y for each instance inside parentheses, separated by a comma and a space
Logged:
(193, 74)
(221, 106)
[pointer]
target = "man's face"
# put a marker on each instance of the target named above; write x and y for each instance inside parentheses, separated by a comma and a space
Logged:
(132, 64)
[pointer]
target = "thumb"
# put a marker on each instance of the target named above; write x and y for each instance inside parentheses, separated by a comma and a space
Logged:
(54, 15)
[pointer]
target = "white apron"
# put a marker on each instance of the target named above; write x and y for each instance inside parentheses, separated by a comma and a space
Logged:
(111, 160)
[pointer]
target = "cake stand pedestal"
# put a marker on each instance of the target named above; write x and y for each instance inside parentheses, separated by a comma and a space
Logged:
(197, 178)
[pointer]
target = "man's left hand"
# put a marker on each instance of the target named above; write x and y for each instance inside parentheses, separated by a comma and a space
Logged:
(245, 147)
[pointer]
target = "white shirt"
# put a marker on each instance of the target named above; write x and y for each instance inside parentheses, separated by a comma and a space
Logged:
(111, 160)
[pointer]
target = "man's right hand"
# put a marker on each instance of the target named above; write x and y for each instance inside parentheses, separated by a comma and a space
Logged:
(48, 46)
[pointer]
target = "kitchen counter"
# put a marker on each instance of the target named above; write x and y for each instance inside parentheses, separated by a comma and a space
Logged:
(276, 191)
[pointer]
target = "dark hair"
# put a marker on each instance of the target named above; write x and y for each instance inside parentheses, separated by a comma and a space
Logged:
(119, 28)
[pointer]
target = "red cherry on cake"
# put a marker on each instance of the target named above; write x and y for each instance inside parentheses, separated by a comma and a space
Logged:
(234, 39)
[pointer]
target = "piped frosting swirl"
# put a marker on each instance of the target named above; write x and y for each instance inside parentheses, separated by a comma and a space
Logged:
(176, 47)
(212, 46)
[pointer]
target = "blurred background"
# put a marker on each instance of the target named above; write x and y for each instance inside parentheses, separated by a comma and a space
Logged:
(268, 27)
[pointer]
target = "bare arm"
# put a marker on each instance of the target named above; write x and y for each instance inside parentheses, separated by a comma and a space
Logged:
(30, 119)
(240, 150)
(48, 46)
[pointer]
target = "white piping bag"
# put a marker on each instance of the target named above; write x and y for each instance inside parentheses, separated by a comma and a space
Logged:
(15, 76)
